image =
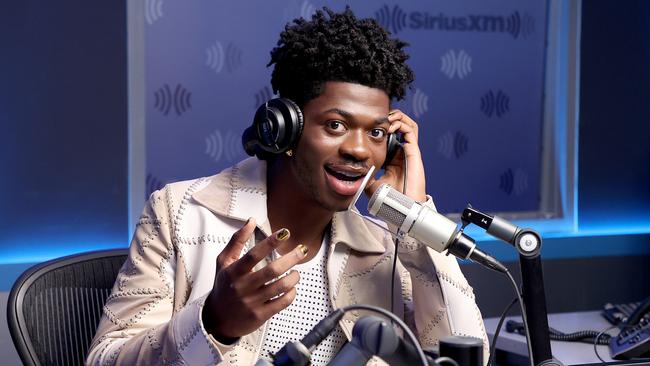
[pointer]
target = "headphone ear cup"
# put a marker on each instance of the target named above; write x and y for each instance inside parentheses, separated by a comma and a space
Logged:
(295, 122)
(392, 147)
(249, 141)
(276, 127)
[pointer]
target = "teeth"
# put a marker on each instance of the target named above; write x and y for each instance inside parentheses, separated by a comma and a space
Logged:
(344, 174)
(348, 174)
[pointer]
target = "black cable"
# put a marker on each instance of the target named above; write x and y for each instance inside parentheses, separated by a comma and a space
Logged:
(446, 359)
(585, 336)
(321, 330)
(498, 330)
(406, 169)
(392, 276)
(396, 319)
(596, 342)
(523, 317)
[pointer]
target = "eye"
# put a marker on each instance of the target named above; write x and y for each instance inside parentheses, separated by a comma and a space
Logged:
(336, 126)
(378, 133)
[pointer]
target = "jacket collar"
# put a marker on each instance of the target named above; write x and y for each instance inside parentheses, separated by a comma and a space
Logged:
(239, 192)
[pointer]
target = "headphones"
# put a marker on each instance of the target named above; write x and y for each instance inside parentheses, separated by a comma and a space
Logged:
(277, 126)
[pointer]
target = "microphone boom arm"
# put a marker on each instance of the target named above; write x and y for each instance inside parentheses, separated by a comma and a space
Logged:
(529, 244)
(527, 241)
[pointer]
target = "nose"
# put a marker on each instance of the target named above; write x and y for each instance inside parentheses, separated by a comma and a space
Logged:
(355, 146)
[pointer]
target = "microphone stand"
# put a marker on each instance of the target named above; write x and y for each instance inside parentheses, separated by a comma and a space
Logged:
(532, 288)
(529, 244)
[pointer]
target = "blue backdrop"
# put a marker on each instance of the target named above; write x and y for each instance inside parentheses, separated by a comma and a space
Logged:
(63, 112)
(478, 94)
(63, 136)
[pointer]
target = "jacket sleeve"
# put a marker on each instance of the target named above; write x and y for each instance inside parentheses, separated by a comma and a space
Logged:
(140, 324)
(440, 302)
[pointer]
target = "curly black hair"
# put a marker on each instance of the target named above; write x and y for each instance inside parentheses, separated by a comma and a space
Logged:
(337, 47)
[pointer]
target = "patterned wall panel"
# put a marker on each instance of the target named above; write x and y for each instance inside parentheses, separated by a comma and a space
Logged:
(478, 94)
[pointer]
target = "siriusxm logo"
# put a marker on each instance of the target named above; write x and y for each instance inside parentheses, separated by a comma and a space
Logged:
(153, 10)
(456, 64)
(216, 57)
(516, 182)
(223, 146)
(396, 19)
(453, 145)
(179, 99)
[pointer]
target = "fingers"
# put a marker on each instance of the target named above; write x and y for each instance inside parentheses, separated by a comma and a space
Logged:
(278, 304)
(273, 270)
(260, 251)
(277, 288)
(404, 124)
(232, 251)
(400, 122)
(397, 115)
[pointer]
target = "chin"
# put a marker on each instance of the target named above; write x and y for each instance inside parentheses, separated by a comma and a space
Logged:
(342, 208)
(335, 205)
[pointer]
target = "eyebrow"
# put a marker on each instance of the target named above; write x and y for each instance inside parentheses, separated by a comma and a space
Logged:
(349, 115)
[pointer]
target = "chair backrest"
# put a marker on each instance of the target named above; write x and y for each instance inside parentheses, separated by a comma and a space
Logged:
(54, 307)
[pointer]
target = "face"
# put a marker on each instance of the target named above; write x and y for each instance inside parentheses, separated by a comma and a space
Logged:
(343, 135)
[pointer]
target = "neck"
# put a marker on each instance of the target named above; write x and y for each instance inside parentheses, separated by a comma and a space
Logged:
(289, 207)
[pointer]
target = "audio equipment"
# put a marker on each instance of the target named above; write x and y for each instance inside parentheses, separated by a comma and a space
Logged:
(427, 226)
(277, 125)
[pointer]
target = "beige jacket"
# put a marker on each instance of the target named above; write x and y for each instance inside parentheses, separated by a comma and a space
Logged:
(153, 315)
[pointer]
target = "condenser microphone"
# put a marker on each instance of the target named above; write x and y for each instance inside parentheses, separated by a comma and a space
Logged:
(427, 226)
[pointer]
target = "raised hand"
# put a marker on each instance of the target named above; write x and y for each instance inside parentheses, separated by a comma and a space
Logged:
(241, 299)
(394, 174)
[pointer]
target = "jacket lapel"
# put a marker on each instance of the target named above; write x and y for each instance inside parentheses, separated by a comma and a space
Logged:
(238, 193)
(351, 233)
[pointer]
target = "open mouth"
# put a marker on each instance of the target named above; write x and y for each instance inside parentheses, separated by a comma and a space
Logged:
(344, 175)
(343, 181)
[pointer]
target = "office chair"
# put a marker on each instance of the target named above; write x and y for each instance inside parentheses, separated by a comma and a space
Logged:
(54, 307)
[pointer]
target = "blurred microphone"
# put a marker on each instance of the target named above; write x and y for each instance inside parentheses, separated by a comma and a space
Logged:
(371, 336)
(427, 226)
(298, 353)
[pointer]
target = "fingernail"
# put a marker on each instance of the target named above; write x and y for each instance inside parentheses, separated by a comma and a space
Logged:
(283, 234)
(303, 249)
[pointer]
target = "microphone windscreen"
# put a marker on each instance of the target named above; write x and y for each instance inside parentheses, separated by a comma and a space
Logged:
(390, 205)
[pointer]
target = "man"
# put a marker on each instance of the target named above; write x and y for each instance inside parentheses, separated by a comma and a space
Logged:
(227, 269)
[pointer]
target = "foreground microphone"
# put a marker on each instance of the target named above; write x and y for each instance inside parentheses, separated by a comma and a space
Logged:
(427, 226)
(371, 336)
(298, 353)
